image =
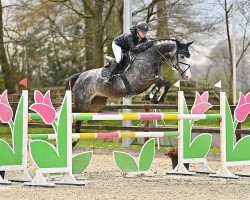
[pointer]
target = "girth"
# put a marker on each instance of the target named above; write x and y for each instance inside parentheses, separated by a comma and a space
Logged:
(129, 90)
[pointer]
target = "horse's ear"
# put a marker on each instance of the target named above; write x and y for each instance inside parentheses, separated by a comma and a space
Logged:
(189, 43)
(178, 43)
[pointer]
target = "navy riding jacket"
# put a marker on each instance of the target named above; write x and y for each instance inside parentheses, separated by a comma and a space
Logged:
(129, 41)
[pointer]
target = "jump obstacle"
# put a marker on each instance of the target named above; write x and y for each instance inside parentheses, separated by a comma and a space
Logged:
(51, 159)
(15, 158)
(119, 134)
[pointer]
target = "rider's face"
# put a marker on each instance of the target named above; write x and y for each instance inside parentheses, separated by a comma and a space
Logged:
(141, 34)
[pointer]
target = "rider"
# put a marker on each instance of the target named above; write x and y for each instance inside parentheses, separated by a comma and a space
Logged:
(128, 42)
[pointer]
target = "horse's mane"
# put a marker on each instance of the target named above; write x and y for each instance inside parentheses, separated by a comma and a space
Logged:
(164, 39)
(166, 44)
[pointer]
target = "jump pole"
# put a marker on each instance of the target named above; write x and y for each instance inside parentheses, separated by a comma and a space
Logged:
(224, 171)
(108, 135)
(134, 116)
(127, 22)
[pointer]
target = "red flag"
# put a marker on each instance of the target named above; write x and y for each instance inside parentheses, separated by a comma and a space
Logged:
(24, 82)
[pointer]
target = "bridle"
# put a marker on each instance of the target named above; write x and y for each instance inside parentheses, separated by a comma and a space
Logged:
(176, 66)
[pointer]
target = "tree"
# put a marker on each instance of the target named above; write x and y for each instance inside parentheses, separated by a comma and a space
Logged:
(220, 65)
(162, 20)
(7, 69)
(100, 11)
(48, 42)
(243, 32)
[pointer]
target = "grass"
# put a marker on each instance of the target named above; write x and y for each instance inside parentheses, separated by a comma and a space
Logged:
(88, 143)
(214, 150)
(104, 143)
(6, 135)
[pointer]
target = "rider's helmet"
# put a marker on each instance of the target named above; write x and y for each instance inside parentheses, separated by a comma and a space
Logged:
(142, 26)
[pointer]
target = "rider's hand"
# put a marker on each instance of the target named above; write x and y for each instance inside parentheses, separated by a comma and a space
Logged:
(130, 54)
(149, 43)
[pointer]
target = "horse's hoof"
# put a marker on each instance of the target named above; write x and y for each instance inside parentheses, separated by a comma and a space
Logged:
(161, 100)
(2, 174)
(74, 143)
(145, 97)
(154, 101)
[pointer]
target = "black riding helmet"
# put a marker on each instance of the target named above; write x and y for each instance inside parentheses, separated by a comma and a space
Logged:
(142, 26)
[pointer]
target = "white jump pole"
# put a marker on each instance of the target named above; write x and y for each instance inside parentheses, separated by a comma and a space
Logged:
(127, 22)
(234, 52)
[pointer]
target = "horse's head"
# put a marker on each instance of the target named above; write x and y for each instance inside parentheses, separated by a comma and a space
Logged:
(175, 52)
(179, 60)
(182, 48)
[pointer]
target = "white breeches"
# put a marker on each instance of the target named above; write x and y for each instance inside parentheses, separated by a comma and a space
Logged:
(117, 52)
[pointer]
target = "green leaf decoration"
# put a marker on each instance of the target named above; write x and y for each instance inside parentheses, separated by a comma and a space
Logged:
(199, 146)
(46, 155)
(147, 155)
(9, 155)
(125, 162)
(239, 151)
(81, 162)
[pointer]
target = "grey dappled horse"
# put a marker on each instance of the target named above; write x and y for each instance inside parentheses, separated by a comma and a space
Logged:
(90, 92)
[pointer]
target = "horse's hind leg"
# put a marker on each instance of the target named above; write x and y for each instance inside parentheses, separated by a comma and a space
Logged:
(96, 104)
(80, 107)
(77, 130)
(79, 122)
(2, 174)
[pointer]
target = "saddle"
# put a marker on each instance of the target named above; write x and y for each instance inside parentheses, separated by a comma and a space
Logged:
(123, 65)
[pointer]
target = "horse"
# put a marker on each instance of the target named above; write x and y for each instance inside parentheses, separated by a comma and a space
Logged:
(90, 91)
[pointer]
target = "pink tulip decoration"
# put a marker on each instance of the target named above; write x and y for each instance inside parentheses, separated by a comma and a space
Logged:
(242, 110)
(6, 112)
(44, 107)
(201, 104)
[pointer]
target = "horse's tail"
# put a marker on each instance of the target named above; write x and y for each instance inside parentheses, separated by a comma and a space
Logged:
(70, 82)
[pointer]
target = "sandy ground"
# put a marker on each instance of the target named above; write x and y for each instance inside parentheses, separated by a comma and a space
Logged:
(103, 183)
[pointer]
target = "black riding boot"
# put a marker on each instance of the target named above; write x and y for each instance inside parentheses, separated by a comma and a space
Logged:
(111, 69)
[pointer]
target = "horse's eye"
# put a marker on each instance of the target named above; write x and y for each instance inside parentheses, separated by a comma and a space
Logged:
(182, 56)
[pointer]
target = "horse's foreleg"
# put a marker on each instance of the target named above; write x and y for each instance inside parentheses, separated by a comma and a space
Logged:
(152, 95)
(155, 90)
(167, 85)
